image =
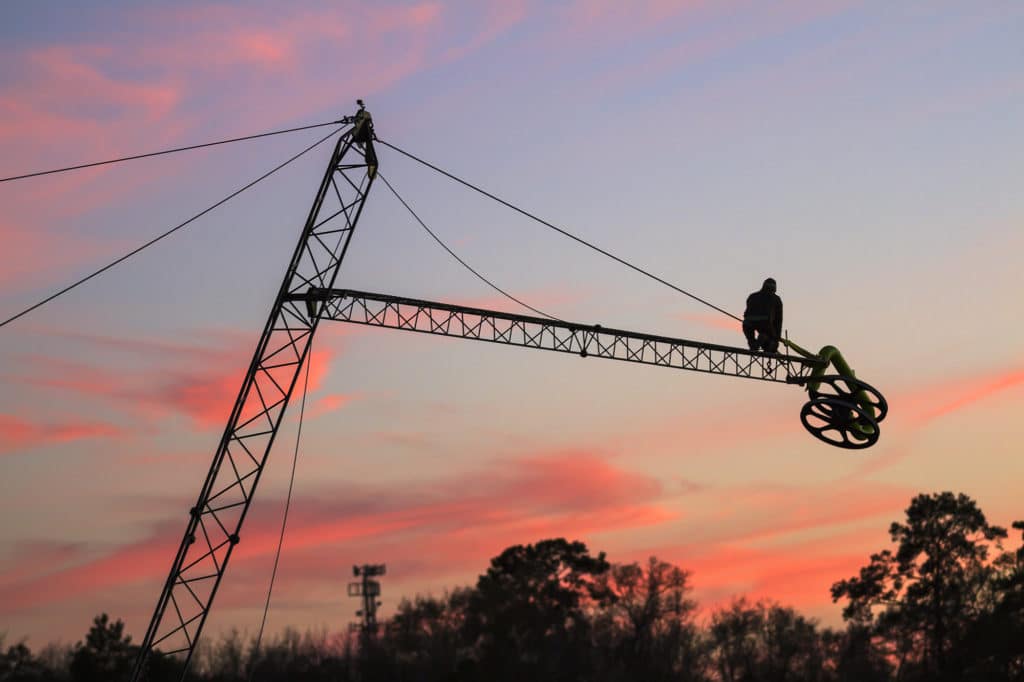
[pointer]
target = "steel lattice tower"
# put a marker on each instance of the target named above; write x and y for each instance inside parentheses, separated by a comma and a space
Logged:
(215, 522)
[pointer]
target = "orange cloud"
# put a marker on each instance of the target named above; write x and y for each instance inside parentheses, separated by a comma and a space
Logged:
(799, 509)
(76, 102)
(809, 539)
(66, 102)
(799, 575)
(330, 403)
(28, 255)
(264, 50)
(915, 409)
(715, 321)
(944, 399)
(788, 543)
(29, 559)
(18, 434)
(200, 381)
(457, 522)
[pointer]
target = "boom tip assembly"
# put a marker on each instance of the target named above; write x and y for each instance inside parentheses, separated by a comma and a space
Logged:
(842, 410)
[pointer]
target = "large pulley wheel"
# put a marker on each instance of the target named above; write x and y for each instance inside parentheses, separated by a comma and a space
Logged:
(849, 390)
(840, 423)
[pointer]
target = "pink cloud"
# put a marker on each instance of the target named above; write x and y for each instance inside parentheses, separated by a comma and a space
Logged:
(77, 102)
(713, 429)
(32, 558)
(915, 409)
(17, 435)
(797, 509)
(67, 102)
(266, 49)
(944, 399)
(787, 543)
(714, 321)
(28, 255)
(201, 381)
(799, 575)
(330, 403)
(458, 522)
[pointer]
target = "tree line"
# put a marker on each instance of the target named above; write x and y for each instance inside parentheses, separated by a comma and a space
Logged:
(944, 603)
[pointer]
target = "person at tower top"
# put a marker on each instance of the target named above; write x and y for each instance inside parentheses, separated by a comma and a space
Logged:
(362, 133)
(762, 320)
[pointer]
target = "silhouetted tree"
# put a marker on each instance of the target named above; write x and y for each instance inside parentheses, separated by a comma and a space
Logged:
(646, 630)
(311, 657)
(996, 639)
(854, 655)
(947, 603)
(528, 614)
(223, 660)
(106, 655)
(56, 661)
(17, 664)
(924, 598)
(425, 636)
(765, 641)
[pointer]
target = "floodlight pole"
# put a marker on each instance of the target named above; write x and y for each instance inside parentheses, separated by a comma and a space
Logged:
(368, 590)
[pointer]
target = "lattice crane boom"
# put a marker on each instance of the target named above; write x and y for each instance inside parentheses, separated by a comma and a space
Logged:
(842, 411)
(588, 340)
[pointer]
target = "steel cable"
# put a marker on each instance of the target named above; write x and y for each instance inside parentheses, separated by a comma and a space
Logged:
(174, 229)
(456, 257)
(166, 151)
(559, 230)
(284, 520)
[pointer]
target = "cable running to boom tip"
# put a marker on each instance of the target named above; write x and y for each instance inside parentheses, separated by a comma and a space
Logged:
(456, 257)
(560, 230)
(166, 151)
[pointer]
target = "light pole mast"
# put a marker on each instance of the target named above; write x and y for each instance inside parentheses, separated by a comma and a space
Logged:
(368, 589)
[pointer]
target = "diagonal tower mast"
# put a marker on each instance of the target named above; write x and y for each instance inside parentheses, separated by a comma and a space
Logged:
(215, 522)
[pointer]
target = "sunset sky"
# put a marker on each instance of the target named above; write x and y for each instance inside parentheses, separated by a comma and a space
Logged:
(868, 155)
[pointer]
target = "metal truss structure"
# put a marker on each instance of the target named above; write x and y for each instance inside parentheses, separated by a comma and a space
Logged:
(845, 406)
(444, 319)
(367, 590)
(215, 522)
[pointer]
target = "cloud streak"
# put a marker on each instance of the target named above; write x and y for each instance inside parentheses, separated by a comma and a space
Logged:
(18, 435)
(457, 523)
(948, 398)
(198, 380)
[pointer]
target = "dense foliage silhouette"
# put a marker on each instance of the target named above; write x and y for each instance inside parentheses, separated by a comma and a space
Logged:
(946, 602)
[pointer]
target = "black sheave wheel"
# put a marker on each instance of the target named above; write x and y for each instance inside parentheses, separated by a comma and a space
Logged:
(839, 423)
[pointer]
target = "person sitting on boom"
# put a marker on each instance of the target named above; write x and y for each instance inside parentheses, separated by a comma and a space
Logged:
(762, 320)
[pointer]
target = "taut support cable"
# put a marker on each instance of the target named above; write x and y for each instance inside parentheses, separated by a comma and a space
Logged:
(169, 232)
(560, 230)
(167, 151)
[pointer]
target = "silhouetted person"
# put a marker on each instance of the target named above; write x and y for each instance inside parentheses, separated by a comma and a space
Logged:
(362, 132)
(762, 320)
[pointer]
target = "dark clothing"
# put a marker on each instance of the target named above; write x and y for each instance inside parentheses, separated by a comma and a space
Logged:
(760, 336)
(762, 321)
(362, 133)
